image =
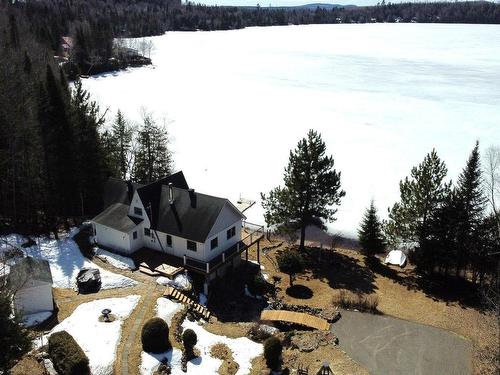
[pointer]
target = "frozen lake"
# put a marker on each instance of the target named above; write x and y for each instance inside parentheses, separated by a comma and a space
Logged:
(382, 95)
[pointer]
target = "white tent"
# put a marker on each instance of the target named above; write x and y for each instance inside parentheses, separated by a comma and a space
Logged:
(396, 257)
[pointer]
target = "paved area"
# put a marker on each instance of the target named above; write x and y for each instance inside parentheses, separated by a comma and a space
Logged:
(389, 346)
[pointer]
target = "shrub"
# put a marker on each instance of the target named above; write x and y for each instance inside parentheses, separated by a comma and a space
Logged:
(272, 353)
(290, 262)
(350, 300)
(154, 336)
(189, 339)
(258, 286)
(67, 356)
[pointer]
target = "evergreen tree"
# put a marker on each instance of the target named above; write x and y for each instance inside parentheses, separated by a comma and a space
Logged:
(312, 188)
(470, 208)
(14, 339)
(122, 134)
(291, 263)
(420, 197)
(370, 234)
(153, 159)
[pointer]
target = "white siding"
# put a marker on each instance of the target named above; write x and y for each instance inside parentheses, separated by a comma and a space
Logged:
(136, 202)
(178, 248)
(29, 300)
(227, 217)
(223, 242)
(112, 238)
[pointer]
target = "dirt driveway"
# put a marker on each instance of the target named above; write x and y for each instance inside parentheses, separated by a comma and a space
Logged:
(391, 346)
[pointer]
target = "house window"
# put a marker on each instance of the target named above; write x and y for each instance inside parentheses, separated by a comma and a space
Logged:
(147, 232)
(134, 235)
(169, 240)
(231, 232)
(214, 243)
(138, 211)
(191, 245)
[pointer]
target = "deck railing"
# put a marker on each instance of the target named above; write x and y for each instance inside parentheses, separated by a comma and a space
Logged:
(254, 233)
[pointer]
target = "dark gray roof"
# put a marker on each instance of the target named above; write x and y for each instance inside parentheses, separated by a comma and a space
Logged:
(29, 269)
(116, 217)
(118, 191)
(192, 215)
(150, 193)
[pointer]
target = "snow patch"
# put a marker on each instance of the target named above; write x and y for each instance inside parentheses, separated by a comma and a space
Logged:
(66, 260)
(117, 261)
(98, 340)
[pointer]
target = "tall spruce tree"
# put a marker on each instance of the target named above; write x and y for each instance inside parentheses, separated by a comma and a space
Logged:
(152, 159)
(122, 134)
(370, 235)
(311, 192)
(420, 197)
(470, 208)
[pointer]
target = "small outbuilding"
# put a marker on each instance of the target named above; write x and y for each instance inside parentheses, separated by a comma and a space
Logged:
(31, 281)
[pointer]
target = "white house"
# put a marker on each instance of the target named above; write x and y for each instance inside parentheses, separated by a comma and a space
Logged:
(167, 216)
(31, 281)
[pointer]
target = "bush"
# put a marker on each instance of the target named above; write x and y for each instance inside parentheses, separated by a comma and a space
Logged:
(258, 286)
(66, 355)
(290, 262)
(272, 353)
(361, 302)
(154, 336)
(189, 339)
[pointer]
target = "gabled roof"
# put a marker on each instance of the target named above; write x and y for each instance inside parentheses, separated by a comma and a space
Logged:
(116, 217)
(150, 193)
(191, 215)
(118, 191)
(29, 269)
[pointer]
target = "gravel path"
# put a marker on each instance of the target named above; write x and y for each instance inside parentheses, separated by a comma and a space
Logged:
(391, 346)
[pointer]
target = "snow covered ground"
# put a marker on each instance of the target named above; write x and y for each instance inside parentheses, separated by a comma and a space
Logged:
(117, 261)
(244, 350)
(98, 340)
(382, 95)
(66, 260)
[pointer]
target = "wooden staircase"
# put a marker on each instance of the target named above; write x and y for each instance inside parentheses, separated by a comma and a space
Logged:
(176, 294)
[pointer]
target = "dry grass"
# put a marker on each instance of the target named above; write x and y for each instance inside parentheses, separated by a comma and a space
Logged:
(361, 302)
(222, 352)
(28, 365)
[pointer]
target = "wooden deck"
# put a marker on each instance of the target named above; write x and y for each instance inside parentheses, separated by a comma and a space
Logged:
(173, 293)
(295, 317)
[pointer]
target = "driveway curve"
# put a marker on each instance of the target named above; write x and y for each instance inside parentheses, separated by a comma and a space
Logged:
(389, 346)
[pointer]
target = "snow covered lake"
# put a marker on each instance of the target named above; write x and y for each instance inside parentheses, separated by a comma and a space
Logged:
(382, 95)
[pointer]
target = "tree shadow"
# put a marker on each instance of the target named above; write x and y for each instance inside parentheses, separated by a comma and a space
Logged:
(438, 287)
(299, 291)
(339, 270)
(228, 300)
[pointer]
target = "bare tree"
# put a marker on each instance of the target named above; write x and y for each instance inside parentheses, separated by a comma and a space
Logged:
(492, 180)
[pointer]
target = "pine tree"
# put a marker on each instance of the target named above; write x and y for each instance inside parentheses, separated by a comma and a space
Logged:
(312, 188)
(14, 339)
(122, 134)
(420, 197)
(471, 208)
(370, 234)
(153, 159)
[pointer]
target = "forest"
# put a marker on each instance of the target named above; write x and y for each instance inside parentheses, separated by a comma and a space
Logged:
(93, 24)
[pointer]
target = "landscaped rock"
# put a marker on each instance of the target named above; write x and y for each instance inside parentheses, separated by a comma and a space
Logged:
(330, 314)
(309, 341)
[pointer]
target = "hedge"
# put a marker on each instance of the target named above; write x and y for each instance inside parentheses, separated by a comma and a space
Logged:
(154, 336)
(66, 355)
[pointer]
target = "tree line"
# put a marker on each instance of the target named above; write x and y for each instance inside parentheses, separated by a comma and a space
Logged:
(94, 23)
(54, 155)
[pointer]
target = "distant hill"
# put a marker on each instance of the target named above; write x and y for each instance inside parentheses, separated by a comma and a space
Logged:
(311, 6)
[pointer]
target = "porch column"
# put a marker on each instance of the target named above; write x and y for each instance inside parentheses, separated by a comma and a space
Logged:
(258, 251)
(184, 259)
(246, 254)
(224, 257)
(208, 267)
(205, 287)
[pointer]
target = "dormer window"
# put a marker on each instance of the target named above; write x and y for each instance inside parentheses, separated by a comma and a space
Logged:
(138, 211)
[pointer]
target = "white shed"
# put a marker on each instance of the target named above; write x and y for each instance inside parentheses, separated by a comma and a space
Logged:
(31, 281)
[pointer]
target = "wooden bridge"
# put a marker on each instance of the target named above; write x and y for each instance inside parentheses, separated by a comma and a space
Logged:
(173, 293)
(296, 318)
